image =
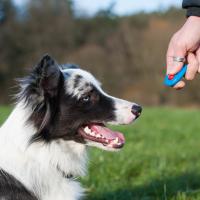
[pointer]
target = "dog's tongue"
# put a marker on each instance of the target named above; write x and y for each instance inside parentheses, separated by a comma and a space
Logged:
(106, 132)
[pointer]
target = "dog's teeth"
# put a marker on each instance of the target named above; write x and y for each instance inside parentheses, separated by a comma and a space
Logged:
(116, 141)
(87, 130)
(92, 133)
(98, 135)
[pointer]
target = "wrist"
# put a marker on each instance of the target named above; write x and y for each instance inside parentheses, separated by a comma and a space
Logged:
(194, 18)
(194, 22)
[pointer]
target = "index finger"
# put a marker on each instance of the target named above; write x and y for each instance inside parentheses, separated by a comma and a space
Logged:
(174, 50)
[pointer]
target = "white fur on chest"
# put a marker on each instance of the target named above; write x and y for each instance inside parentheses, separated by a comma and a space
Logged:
(36, 165)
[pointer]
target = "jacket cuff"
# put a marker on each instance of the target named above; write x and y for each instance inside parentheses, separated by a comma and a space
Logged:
(193, 11)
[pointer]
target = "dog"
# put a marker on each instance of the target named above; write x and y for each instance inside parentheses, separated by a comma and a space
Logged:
(60, 111)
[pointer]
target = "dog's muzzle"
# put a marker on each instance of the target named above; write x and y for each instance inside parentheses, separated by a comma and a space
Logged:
(136, 110)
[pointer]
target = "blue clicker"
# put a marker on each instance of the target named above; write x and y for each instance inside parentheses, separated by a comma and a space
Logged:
(176, 78)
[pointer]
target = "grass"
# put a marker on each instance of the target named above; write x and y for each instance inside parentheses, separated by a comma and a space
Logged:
(160, 161)
(4, 112)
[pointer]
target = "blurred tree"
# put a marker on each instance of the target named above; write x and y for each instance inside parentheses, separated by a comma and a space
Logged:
(126, 53)
(7, 11)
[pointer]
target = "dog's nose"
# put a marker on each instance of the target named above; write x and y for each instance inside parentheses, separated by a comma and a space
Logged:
(136, 110)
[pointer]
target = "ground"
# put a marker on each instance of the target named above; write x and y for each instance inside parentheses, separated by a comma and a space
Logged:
(160, 160)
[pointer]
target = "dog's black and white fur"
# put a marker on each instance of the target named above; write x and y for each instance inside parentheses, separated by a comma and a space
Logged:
(43, 142)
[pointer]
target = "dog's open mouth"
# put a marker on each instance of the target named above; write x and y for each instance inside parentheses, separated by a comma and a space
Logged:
(99, 133)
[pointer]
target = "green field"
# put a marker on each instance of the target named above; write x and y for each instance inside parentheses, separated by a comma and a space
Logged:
(161, 159)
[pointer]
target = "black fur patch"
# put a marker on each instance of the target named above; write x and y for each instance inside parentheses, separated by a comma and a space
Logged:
(12, 189)
(57, 114)
(70, 66)
(77, 80)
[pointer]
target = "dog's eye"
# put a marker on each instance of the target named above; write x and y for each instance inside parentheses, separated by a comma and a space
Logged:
(86, 98)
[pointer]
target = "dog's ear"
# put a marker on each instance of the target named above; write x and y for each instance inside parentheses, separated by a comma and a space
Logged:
(48, 75)
(46, 80)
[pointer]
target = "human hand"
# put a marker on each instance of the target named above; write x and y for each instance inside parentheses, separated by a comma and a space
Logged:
(185, 44)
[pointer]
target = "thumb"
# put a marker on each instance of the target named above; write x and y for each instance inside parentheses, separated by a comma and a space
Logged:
(174, 50)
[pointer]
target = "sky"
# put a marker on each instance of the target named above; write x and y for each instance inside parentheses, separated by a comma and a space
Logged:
(122, 7)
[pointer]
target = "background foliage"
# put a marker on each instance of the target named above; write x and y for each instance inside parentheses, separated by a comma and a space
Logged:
(126, 53)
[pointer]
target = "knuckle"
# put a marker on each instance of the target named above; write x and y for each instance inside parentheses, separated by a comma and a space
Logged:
(195, 63)
(189, 77)
(193, 67)
(179, 44)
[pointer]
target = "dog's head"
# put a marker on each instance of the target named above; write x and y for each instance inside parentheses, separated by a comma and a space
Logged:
(68, 103)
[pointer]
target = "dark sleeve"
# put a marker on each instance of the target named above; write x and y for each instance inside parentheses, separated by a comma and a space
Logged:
(192, 6)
